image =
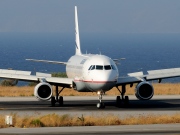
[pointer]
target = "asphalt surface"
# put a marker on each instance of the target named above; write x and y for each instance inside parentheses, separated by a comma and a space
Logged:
(156, 129)
(79, 104)
(86, 105)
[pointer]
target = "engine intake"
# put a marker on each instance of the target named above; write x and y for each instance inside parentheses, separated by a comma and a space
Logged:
(144, 91)
(43, 91)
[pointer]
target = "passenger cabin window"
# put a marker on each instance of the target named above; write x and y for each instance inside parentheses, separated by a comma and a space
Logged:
(107, 67)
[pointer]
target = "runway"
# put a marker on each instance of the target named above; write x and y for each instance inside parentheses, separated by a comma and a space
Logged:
(86, 105)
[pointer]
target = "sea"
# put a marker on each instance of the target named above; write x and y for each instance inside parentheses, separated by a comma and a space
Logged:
(142, 51)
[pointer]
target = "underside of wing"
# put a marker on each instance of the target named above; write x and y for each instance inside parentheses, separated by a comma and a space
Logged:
(47, 61)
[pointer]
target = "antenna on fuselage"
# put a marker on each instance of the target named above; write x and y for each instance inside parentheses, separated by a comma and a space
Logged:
(77, 40)
(99, 51)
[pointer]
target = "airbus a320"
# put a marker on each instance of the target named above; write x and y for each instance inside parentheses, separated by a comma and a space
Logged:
(90, 73)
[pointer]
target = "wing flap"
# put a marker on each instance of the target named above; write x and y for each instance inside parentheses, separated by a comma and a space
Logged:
(43, 74)
(127, 80)
(18, 72)
(19, 77)
(164, 71)
(58, 80)
(136, 74)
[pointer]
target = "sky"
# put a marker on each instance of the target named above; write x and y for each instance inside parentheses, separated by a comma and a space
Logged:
(95, 16)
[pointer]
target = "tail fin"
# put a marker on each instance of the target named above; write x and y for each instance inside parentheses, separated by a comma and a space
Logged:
(78, 47)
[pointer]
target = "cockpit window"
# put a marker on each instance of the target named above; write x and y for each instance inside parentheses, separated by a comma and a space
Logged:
(93, 67)
(107, 67)
(113, 67)
(90, 67)
(101, 67)
(98, 67)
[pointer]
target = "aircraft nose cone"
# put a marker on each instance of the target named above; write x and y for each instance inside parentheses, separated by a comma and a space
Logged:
(102, 80)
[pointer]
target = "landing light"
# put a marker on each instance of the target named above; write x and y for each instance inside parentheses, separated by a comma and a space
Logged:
(98, 92)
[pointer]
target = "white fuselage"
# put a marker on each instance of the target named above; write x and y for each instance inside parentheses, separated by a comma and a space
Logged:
(92, 72)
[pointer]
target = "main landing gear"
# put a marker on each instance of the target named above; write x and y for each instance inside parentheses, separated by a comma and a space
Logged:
(122, 99)
(58, 98)
(100, 104)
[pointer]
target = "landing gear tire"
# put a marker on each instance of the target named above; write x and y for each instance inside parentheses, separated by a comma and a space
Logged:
(118, 101)
(126, 101)
(57, 98)
(100, 105)
(60, 101)
(122, 102)
(53, 101)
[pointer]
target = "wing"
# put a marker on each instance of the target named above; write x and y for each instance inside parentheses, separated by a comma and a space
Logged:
(26, 76)
(47, 61)
(152, 75)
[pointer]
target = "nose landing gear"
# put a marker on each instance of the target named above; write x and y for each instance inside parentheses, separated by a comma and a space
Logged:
(100, 105)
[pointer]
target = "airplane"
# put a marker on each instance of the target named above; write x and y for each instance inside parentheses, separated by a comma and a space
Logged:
(90, 73)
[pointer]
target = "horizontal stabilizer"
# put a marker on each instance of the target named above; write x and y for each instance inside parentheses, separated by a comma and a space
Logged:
(46, 61)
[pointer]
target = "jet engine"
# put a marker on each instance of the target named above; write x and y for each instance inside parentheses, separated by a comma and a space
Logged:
(144, 91)
(43, 91)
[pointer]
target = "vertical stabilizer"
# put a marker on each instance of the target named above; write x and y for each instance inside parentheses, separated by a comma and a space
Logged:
(78, 47)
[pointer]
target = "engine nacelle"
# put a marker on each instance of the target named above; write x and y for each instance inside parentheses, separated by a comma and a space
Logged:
(144, 91)
(43, 91)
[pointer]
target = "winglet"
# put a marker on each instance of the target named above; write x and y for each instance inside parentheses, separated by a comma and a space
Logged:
(77, 41)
